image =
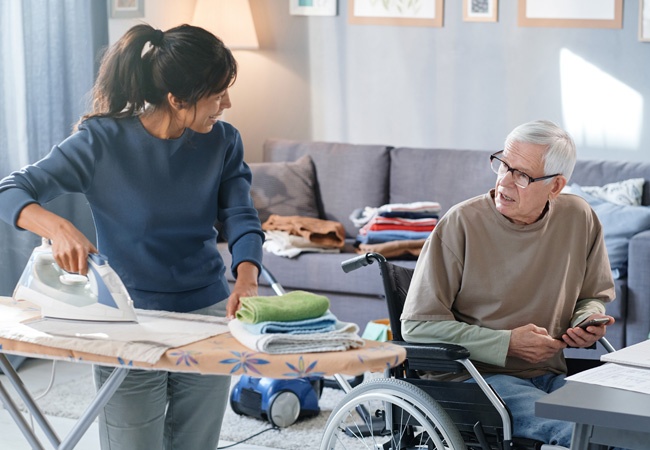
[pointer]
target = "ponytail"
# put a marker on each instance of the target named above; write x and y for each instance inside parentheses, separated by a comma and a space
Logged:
(188, 62)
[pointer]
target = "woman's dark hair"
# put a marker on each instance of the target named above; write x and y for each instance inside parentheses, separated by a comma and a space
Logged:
(186, 61)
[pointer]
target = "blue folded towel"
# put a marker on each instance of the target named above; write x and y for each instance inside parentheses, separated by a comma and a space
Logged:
(323, 324)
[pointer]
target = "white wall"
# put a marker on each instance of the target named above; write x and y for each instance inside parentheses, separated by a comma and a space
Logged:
(465, 85)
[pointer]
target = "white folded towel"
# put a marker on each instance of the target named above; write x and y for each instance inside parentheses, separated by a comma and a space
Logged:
(344, 337)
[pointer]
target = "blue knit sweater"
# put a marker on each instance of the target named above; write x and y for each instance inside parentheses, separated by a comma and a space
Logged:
(154, 203)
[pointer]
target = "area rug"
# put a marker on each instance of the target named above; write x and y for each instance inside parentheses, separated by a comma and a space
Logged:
(70, 398)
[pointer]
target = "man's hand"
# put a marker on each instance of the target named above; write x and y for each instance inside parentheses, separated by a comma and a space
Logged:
(245, 286)
(533, 344)
(579, 338)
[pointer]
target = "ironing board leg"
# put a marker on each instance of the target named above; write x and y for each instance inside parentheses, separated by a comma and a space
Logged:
(101, 398)
(19, 419)
(31, 405)
(81, 426)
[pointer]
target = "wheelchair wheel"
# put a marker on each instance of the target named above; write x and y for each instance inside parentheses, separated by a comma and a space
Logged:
(386, 413)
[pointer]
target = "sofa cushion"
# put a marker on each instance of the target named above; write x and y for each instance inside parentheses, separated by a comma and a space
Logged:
(444, 176)
(285, 188)
(620, 223)
(348, 176)
(599, 173)
(626, 192)
(320, 272)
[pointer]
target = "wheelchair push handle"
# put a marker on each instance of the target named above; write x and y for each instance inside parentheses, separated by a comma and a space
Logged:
(361, 261)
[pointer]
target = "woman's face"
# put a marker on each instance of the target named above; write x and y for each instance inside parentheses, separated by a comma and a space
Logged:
(206, 112)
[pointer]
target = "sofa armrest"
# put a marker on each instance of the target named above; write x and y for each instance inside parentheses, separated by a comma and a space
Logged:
(638, 289)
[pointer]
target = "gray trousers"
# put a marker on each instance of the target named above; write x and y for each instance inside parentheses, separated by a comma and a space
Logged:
(159, 410)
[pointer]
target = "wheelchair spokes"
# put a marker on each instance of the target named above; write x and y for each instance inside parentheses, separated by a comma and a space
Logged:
(389, 414)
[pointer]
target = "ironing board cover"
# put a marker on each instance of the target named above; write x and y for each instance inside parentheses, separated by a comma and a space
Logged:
(223, 354)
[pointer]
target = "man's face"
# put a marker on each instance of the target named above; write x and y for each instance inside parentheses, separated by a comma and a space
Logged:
(523, 205)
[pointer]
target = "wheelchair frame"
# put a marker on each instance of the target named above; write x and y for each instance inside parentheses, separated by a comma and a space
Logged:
(432, 418)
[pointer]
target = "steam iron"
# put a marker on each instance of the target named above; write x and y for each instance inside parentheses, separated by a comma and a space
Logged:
(101, 296)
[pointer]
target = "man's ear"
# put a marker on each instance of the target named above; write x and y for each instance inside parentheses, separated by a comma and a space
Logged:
(175, 102)
(558, 184)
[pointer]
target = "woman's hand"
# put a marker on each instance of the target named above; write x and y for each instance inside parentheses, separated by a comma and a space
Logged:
(245, 286)
(70, 247)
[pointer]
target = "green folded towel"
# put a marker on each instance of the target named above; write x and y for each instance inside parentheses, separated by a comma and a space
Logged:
(296, 305)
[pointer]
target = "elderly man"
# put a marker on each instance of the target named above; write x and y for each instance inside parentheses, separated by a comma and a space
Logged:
(509, 274)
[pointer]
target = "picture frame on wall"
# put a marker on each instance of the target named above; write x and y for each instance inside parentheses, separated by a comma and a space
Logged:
(571, 13)
(125, 9)
(312, 7)
(480, 10)
(644, 20)
(425, 13)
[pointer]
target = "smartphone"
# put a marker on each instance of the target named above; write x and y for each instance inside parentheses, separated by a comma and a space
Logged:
(593, 322)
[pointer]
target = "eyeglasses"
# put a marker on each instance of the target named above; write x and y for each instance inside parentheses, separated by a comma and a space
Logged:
(520, 178)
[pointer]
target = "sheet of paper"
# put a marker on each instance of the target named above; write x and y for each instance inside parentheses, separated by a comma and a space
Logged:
(635, 355)
(617, 376)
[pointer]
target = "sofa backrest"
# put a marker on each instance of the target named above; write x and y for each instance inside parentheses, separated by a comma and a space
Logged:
(354, 176)
(451, 176)
(348, 176)
(440, 175)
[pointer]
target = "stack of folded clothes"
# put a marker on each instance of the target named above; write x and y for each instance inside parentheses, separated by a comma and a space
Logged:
(297, 322)
(395, 229)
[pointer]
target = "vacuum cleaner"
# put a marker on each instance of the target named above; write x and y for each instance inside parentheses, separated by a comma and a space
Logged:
(100, 296)
(279, 401)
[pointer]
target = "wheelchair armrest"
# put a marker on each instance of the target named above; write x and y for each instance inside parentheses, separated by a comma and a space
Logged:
(448, 352)
(434, 357)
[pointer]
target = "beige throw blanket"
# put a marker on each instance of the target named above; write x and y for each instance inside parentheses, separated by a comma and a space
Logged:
(323, 233)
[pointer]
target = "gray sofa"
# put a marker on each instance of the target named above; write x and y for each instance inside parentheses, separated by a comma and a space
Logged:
(339, 178)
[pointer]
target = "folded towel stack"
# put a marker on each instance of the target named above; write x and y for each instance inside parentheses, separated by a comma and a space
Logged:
(297, 322)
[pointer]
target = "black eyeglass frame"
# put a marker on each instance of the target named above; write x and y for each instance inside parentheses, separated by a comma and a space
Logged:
(493, 156)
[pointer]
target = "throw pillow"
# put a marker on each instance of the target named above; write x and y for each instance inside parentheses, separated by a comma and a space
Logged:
(620, 223)
(285, 188)
(627, 192)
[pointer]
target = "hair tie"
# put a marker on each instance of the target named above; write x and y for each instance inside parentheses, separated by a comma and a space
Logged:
(157, 38)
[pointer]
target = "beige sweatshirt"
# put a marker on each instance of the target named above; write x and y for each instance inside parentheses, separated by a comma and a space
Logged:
(488, 275)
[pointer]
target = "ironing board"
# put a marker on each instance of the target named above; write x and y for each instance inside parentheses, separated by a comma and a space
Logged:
(219, 355)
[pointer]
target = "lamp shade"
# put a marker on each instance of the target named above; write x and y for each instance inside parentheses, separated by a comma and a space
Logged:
(230, 20)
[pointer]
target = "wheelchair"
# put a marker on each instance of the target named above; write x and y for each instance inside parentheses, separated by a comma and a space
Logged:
(402, 411)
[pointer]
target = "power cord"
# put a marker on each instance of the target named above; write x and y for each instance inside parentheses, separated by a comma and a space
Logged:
(47, 390)
(249, 437)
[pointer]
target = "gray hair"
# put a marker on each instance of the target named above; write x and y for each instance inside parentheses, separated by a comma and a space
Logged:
(560, 155)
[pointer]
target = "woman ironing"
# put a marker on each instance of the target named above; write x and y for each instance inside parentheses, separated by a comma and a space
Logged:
(158, 169)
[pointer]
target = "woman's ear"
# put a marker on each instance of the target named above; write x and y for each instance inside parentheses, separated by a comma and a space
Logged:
(175, 102)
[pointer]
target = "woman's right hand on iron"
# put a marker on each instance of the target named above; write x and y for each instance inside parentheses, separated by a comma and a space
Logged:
(70, 247)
